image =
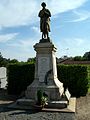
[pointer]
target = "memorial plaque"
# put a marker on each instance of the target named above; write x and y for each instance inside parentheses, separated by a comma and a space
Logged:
(43, 67)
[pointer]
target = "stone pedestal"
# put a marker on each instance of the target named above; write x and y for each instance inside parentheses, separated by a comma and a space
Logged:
(45, 73)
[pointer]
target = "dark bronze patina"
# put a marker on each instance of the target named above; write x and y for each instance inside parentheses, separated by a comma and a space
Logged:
(44, 15)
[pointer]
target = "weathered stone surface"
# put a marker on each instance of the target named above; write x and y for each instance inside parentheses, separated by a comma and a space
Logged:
(3, 77)
(67, 95)
(43, 63)
(45, 73)
(57, 104)
(53, 106)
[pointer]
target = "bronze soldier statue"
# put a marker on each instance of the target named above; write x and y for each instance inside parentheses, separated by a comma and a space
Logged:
(44, 15)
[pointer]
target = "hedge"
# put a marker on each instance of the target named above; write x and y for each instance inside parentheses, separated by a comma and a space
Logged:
(19, 77)
(74, 77)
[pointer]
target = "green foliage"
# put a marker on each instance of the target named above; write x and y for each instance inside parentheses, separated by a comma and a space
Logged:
(19, 77)
(74, 77)
(13, 61)
(31, 60)
(78, 58)
(86, 56)
(44, 101)
(42, 98)
(4, 61)
(88, 68)
(39, 96)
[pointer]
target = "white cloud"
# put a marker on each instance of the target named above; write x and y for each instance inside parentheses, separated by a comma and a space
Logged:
(17, 12)
(26, 44)
(22, 49)
(65, 5)
(79, 41)
(23, 45)
(81, 16)
(36, 30)
(0, 28)
(7, 37)
(74, 42)
(70, 43)
(71, 47)
(24, 12)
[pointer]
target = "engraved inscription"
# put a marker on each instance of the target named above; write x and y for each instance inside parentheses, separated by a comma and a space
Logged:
(43, 67)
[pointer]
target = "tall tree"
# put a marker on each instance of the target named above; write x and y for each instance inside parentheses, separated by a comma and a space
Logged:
(86, 56)
(1, 60)
(31, 60)
(13, 61)
(78, 58)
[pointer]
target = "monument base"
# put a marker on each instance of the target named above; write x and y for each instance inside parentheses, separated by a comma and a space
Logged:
(45, 72)
(27, 104)
(46, 81)
(53, 92)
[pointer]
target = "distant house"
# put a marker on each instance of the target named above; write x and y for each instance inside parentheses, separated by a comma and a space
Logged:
(3, 77)
(70, 61)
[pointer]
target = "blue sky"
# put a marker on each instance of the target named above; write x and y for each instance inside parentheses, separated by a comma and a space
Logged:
(19, 27)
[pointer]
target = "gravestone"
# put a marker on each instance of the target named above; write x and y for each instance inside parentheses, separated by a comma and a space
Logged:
(3, 77)
(2, 72)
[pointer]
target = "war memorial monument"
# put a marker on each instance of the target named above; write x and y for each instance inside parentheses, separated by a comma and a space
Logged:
(46, 79)
(45, 69)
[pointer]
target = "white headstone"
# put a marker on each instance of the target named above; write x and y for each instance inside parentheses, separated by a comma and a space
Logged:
(2, 72)
(3, 77)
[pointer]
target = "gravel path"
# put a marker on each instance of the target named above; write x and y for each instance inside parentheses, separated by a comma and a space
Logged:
(82, 112)
(27, 115)
(83, 108)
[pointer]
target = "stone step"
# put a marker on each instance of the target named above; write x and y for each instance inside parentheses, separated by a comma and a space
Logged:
(57, 104)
